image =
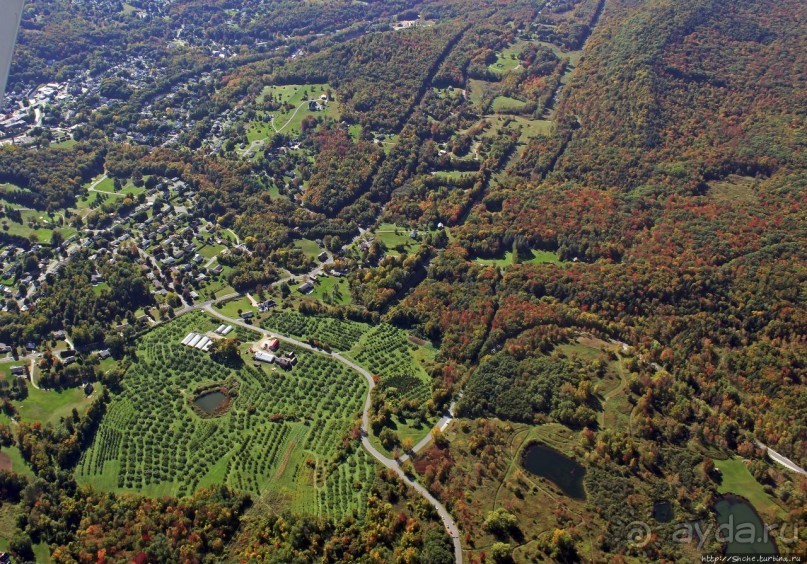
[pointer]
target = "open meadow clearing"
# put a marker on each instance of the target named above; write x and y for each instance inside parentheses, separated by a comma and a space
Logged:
(292, 107)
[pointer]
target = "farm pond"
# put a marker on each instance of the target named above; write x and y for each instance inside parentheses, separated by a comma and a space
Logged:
(211, 402)
(663, 511)
(743, 529)
(557, 468)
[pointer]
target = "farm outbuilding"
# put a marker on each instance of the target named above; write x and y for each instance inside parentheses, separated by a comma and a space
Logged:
(264, 357)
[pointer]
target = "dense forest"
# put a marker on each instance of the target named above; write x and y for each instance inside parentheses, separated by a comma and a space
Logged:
(380, 78)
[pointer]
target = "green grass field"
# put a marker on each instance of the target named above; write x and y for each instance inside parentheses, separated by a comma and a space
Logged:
(107, 186)
(479, 90)
(42, 552)
(9, 513)
(281, 434)
(309, 247)
(224, 288)
(529, 127)
(507, 60)
(233, 307)
(738, 480)
(50, 405)
(289, 120)
(18, 463)
(36, 223)
(98, 288)
(47, 406)
(395, 238)
(9, 186)
(506, 103)
(5, 369)
(210, 251)
(538, 257)
(452, 174)
(332, 291)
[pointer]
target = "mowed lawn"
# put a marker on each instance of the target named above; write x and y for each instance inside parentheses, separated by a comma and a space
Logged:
(507, 60)
(332, 291)
(309, 247)
(395, 237)
(506, 103)
(538, 257)
(107, 185)
(529, 128)
(235, 307)
(737, 479)
(36, 223)
(288, 120)
(49, 406)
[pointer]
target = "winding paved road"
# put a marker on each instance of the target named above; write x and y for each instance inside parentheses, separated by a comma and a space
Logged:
(784, 461)
(448, 521)
(447, 418)
(775, 456)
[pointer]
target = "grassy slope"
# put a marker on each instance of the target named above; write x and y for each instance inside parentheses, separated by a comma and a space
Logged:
(738, 480)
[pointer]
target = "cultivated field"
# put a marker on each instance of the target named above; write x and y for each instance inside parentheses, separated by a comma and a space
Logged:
(384, 350)
(282, 435)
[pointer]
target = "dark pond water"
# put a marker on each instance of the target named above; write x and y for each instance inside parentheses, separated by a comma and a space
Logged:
(744, 530)
(209, 403)
(557, 468)
(663, 511)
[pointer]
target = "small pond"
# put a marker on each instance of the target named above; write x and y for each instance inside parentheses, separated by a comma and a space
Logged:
(663, 511)
(211, 402)
(557, 468)
(745, 532)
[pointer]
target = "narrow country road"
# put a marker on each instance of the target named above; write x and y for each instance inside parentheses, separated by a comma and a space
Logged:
(31, 373)
(775, 456)
(297, 109)
(445, 516)
(447, 418)
(96, 183)
(784, 461)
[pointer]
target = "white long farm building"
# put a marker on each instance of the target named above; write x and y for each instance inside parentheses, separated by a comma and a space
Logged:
(197, 341)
